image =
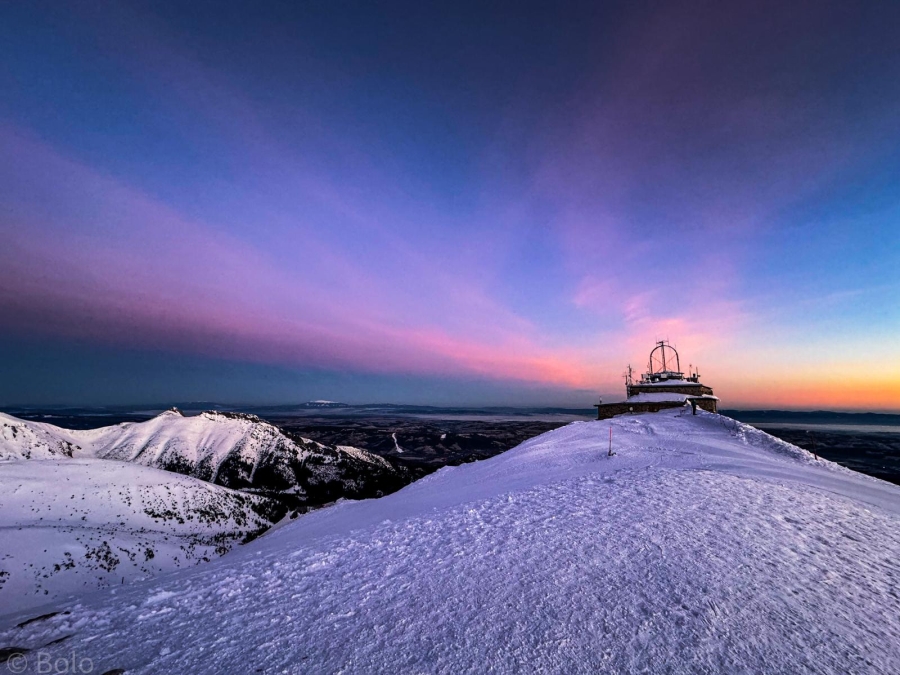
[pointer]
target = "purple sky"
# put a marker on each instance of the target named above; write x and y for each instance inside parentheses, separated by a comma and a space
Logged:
(451, 205)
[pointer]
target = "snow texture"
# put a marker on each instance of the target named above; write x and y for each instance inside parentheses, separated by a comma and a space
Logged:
(74, 525)
(702, 546)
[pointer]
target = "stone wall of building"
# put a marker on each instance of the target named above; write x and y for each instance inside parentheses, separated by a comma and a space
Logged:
(709, 404)
(607, 410)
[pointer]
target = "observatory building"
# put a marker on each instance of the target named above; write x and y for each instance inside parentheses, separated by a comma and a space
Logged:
(664, 385)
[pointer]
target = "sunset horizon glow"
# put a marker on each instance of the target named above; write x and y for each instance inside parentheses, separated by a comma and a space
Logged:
(458, 207)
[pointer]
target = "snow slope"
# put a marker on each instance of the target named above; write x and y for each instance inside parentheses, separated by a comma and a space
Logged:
(74, 525)
(702, 546)
(230, 449)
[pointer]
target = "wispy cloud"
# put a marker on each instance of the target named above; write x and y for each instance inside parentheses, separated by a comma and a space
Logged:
(549, 235)
(134, 271)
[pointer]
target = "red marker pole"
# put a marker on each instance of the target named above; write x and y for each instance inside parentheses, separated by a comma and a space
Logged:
(609, 454)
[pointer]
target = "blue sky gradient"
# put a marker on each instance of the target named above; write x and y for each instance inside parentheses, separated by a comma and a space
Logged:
(464, 203)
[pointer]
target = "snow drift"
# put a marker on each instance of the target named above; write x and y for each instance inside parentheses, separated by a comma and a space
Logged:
(702, 546)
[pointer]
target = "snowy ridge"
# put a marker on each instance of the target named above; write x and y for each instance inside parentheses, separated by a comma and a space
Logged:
(224, 448)
(363, 455)
(702, 546)
(32, 440)
(230, 449)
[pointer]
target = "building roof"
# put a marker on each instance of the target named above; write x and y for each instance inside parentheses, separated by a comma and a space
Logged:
(662, 397)
(669, 383)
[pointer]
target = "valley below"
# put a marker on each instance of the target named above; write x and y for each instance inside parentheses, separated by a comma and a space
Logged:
(423, 445)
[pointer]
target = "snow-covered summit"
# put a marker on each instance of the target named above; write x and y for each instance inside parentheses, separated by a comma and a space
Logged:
(703, 545)
(324, 404)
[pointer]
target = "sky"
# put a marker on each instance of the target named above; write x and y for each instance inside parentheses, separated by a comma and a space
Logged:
(448, 203)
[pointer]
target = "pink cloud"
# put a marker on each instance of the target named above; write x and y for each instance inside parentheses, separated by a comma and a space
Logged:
(130, 270)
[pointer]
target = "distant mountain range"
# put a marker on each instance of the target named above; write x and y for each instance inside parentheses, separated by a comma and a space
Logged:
(90, 417)
(812, 417)
(97, 413)
(323, 404)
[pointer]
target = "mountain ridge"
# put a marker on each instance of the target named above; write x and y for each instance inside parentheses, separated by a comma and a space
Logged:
(235, 450)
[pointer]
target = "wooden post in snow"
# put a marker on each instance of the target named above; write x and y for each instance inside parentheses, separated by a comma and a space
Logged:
(813, 439)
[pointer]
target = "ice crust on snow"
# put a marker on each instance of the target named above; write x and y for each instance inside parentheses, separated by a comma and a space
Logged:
(702, 546)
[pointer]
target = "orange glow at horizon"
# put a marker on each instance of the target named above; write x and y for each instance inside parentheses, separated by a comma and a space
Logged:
(805, 390)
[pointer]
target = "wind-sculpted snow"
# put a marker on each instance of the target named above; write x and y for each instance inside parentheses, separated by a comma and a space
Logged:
(229, 449)
(75, 525)
(702, 546)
